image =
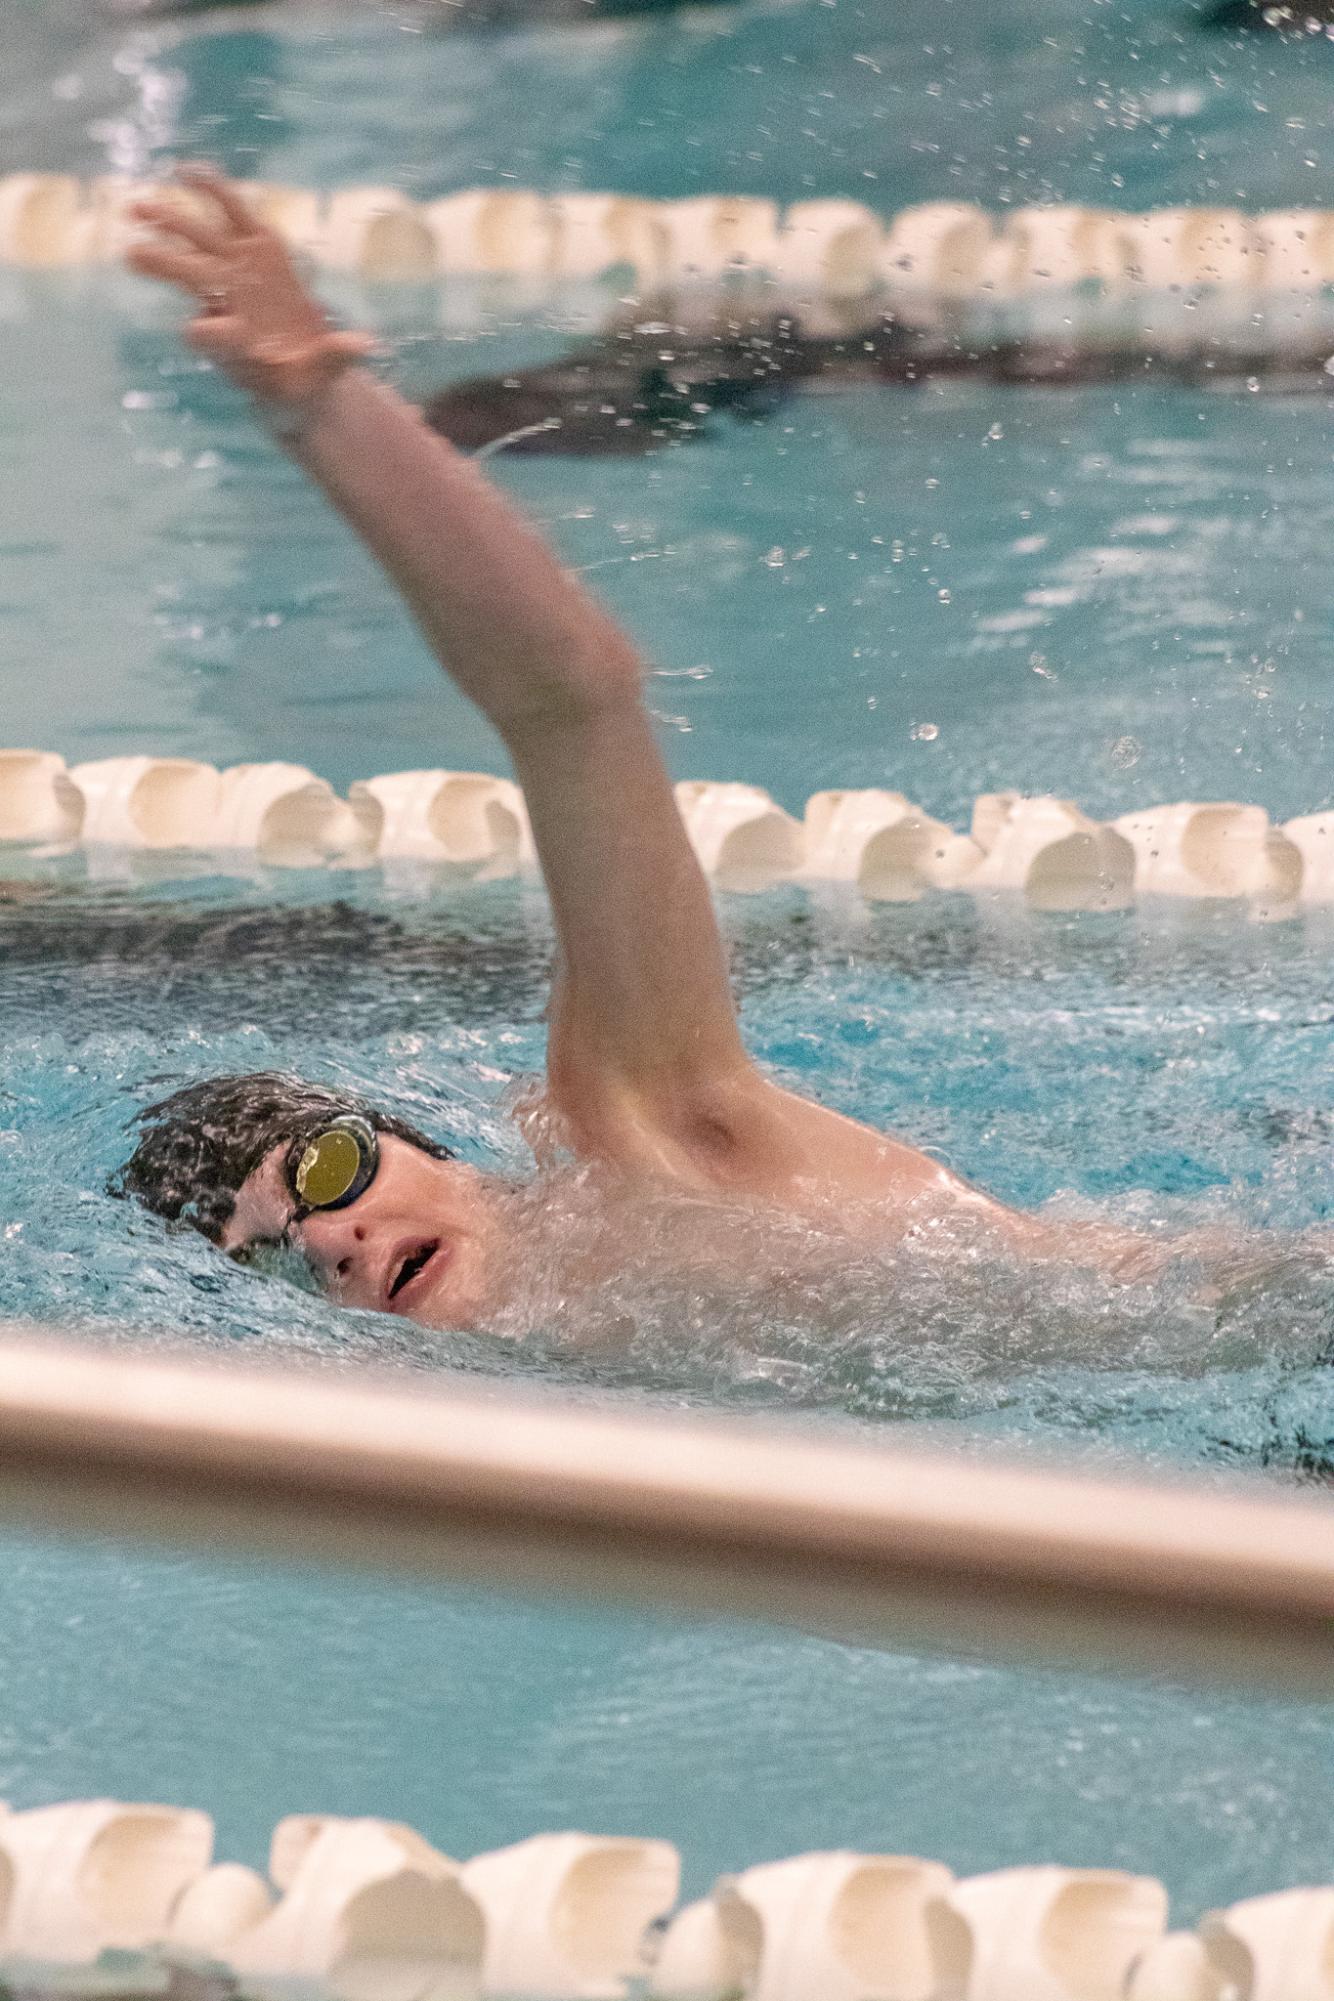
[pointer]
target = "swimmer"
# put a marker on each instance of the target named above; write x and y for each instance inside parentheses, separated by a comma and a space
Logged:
(648, 1083)
(613, 395)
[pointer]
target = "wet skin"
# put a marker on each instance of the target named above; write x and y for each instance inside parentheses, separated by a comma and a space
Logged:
(445, 1245)
(449, 1247)
(422, 1241)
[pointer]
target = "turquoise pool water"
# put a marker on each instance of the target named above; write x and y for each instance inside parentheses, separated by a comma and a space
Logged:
(1160, 1068)
(1119, 595)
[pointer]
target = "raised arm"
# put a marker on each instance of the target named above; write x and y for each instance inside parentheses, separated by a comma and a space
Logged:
(644, 1044)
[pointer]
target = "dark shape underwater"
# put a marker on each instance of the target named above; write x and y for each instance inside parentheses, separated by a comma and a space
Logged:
(645, 387)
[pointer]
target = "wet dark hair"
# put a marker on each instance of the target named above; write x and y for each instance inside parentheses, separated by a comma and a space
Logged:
(199, 1145)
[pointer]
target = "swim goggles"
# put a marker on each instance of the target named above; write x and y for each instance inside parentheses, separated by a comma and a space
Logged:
(333, 1167)
(327, 1171)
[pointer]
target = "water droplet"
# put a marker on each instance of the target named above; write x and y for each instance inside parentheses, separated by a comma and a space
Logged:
(1125, 752)
(924, 732)
(943, 596)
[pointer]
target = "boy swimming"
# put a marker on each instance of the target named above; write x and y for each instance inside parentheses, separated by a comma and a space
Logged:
(648, 1083)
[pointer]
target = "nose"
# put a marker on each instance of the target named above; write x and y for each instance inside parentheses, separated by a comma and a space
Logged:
(335, 1241)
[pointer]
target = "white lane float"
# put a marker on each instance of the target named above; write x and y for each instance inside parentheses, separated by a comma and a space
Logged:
(1188, 249)
(45, 221)
(840, 1925)
(370, 1909)
(1213, 850)
(284, 814)
(1296, 249)
(144, 802)
(1045, 1934)
(843, 1926)
(838, 826)
(1178, 1968)
(466, 818)
(743, 838)
(1277, 1948)
(298, 214)
(714, 239)
(1057, 248)
(1059, 273)
(873, 838)
(834, 249)
(937, 252)
(80, 1879)
(281, 812)
(594, 236)
(990, 812)
(111, 227)
(379, 234)
(1313, 837)
(1225, 257)
(211, 1913)
(295, 1838)
(567, 1914)
(372, 1912)
(1297, 267)
(890, 848)
(1051, 851)
(700, 1957)
(1221, 248)
(1198, 272)
(493, 232)
(35, 804)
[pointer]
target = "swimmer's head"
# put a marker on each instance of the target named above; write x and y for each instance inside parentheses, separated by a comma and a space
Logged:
(198, 1147)
(408, 1234)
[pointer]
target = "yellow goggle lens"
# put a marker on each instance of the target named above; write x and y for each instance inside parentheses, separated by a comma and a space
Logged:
(327, 1169)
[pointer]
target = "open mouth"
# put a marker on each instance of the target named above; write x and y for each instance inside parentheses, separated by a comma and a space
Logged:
(414, 1264)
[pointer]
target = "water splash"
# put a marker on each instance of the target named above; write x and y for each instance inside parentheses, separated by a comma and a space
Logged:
(1214, 1355)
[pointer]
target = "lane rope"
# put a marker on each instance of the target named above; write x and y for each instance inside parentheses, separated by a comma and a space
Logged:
(873, 839)
(947, 264)
(372, 1907)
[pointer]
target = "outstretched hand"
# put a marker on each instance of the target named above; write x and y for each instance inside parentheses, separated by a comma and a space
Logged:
(258, 323)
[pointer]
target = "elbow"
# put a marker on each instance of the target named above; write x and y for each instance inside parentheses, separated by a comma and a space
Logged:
(606, 674)
(601, 676)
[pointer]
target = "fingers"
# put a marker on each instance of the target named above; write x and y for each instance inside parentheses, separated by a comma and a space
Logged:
(192, 270)
(207, 180)
(190, 225)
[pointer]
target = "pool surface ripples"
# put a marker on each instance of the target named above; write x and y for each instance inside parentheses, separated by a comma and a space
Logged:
(1119, 595)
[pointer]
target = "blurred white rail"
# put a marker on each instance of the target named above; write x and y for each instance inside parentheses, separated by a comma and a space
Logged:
(871, 1543)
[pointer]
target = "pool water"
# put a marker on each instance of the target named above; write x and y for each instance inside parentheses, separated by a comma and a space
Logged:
(1162, 1068)
(1120, 595)
(256, 1692)
(1170, 1070)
